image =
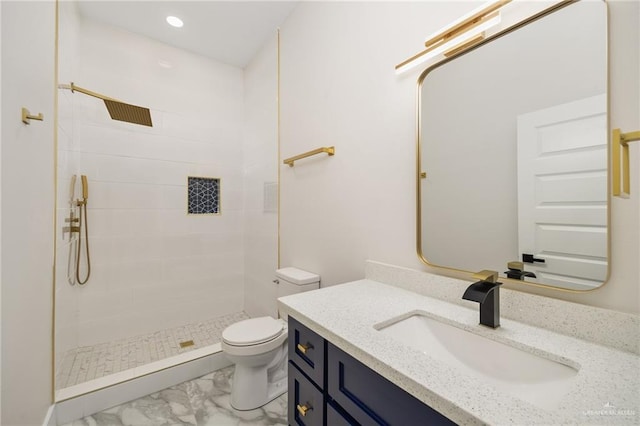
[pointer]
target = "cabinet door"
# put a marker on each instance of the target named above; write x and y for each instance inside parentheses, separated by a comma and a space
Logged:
(306, 350)
(306, 402)
(370, 398)
(337, 418)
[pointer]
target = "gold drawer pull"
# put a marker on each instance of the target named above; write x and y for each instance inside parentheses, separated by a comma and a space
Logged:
(304, 348)
(302, 409)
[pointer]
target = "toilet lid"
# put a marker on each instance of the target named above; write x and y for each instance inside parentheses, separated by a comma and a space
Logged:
(252, 331)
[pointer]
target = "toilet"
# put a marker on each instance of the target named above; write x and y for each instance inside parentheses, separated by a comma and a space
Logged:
(258, 347)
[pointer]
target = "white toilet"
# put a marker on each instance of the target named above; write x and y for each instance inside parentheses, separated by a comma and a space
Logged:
(258, 347)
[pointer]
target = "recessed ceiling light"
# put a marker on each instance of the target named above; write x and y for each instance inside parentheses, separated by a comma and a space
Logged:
(174, 21)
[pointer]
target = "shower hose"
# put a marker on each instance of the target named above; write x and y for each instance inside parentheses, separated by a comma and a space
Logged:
(83, 212)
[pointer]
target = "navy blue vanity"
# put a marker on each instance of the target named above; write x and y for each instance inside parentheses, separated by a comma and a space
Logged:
(328, 387)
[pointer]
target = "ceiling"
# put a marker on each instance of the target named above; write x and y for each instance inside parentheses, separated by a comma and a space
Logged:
(227, 31)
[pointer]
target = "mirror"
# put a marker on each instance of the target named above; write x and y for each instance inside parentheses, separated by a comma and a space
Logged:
(512, 136)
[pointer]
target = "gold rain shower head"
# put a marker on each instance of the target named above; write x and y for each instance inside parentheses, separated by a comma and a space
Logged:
(118, 110)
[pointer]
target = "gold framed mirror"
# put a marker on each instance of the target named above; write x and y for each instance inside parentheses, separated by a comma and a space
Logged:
(512, 155)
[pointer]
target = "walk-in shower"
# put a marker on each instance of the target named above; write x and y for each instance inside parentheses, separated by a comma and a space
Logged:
(167, 273)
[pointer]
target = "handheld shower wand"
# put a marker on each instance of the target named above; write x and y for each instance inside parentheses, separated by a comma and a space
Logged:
(72, 229)
(82, 204)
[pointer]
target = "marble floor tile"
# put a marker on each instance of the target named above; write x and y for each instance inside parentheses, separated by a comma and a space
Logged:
(211, 401)
(92, 362)
(205, 401)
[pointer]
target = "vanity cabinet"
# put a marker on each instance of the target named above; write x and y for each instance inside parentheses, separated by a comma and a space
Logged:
(328, 387)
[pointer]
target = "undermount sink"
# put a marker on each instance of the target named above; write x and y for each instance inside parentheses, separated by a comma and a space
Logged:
(537, 380)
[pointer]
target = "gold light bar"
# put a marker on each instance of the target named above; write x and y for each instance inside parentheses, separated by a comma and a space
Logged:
(464, 45)
(331, 150)
(456, 28)
(471, 25)
(620, 154)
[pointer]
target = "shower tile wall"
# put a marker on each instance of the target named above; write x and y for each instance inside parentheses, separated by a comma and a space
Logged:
(154, 266)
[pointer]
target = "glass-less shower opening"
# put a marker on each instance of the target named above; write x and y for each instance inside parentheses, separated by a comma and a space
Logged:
(166, 257)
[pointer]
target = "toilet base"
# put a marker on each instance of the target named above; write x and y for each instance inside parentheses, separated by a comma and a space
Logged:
(250, 390)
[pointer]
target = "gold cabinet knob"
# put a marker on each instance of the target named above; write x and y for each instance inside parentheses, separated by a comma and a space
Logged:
(302, 409)
(304, 348)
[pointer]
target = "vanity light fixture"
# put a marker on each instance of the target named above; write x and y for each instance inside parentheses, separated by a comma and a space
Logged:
(174, 21)
(460, 34)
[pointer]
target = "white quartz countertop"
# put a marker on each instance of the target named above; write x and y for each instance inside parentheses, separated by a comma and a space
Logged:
(606, 389)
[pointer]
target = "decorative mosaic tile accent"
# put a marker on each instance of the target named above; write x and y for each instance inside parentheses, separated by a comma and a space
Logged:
(91, 362)
(204, 195)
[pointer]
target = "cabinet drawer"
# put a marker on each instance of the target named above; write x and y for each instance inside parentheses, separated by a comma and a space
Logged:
(307, 351)
(370, 398)
(306, 402)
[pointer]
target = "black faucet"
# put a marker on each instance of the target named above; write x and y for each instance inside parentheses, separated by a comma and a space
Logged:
(487, 293)
(516, 271)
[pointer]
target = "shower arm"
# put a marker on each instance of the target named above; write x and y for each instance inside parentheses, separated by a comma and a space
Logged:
(75, 88)
(118, 110)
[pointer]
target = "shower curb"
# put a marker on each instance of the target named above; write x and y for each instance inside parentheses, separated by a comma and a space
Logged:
(73, 408)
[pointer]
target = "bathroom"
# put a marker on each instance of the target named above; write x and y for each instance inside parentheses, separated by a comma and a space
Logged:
(337, 87)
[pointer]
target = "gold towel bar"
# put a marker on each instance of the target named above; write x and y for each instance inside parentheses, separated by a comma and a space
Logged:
(331, 150)
(620, 154)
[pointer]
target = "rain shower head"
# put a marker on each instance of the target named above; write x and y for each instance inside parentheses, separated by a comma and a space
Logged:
(129, 113)
(117, 110)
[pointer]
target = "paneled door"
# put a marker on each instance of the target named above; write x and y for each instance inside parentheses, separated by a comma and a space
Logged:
(562, 192)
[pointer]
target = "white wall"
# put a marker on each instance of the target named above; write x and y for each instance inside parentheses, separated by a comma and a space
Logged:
(260, 148)
(28, 46)
(339, 88)
(154, 266)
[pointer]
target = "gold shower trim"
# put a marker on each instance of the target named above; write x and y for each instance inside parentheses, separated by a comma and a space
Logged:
(331, 150)
(421, 175)
(56, 60)
(620, 162)
(278, 113)
(118, 110)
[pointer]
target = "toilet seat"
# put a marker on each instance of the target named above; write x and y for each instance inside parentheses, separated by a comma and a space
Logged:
(253, 331)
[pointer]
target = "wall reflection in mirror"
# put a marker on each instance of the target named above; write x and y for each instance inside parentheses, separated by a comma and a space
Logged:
(513, 141)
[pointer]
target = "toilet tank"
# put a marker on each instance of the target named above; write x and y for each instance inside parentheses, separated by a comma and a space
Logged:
(294, 280)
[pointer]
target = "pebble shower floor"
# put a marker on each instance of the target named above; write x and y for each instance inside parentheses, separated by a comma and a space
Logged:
(86, 363)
